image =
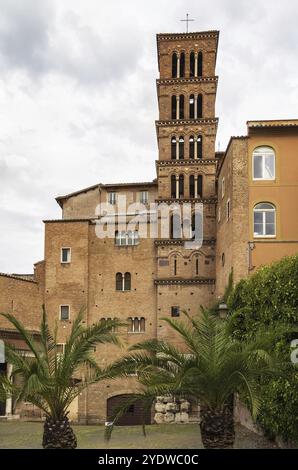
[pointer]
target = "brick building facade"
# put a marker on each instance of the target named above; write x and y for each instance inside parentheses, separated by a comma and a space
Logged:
(249, 195)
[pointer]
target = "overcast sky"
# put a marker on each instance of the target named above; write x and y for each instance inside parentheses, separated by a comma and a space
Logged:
(78, 97)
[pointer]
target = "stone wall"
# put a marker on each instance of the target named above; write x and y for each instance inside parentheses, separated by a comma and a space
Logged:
(169, 410)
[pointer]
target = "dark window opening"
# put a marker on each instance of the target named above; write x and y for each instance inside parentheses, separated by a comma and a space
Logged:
(192, 64)
(173, 186)
(174, 65)
(181, 186)
(181, 107)
(200, 64)
(173, 148)
(175, 311)
(182, 64)
(181, 148)
(200, 146)
(197, 267)
(200, 106)
(191, 147)
(191, 186)
(174, 107)
(200, 186)
(127, 281)
(191, 106)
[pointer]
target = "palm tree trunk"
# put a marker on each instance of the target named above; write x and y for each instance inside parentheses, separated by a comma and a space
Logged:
(58, 435)
(217, 427)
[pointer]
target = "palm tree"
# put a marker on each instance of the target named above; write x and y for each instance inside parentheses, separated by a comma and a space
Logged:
(51, 380)
(211, 368)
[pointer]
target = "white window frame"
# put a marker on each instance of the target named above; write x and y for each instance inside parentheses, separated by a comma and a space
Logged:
(257, 152)
(114, 199)
(138, 331)
(61, 257)
(264, 219)
(146, 199)
(223, 188)
(129, 240)
(60, 311)
(228, 208)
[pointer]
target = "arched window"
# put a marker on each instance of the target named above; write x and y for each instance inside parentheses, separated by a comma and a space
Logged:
(174, 107)
(191, 186)
(200, 64)
(192, 64)
(181, 147)
(127, 281)
(199, 146)
(175, 225)
(136, 324)
(264, 220)
(191, 147)
(173, 148)
(173, 186)
(200, 186)
(174, 65)
(181, 107)
(264, 163)
(123, 281)
(182, 64)
(191, 106)
(119, 284)
(200, 106)
(181, 186)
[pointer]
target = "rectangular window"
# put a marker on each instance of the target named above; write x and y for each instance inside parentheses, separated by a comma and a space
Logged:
(144, 197)
(64, 312)
(60, 348)
(175, 311)
(223, 189)
(65, 255)
(228, 209)
(129, 238)
(218, 214)
(136, 325)
(112, 198)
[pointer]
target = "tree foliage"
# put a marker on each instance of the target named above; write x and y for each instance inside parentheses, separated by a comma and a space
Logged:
(270, 297)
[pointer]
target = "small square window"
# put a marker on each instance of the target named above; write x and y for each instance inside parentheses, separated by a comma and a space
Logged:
(64, 312)
(175, 311)
(65, 255)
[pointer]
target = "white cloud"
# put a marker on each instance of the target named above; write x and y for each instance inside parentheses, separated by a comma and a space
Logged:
(78, 96)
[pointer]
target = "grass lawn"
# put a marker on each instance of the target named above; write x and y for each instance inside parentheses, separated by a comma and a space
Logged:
(27, 435)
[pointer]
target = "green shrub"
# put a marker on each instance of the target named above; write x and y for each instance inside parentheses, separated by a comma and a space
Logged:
(270, 296)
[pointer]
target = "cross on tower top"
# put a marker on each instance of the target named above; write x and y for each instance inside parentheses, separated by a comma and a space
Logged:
(187, 20)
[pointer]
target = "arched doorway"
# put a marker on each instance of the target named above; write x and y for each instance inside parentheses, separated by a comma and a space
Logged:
(133, 415)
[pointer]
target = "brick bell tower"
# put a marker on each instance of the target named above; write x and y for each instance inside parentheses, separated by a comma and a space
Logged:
(186, 168)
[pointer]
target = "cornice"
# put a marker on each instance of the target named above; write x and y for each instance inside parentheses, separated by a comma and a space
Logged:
(187, 282)
(182, 201)
(185, 122)
(180, 242)
(172, 81)
(199, 161)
